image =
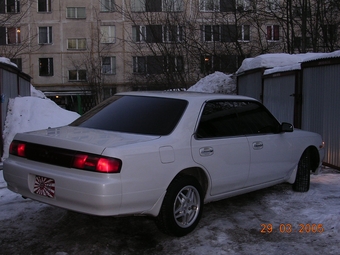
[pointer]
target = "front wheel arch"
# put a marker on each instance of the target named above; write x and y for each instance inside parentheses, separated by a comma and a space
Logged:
(308, 162)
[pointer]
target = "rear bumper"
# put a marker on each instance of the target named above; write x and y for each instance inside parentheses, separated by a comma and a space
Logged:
(76, 190)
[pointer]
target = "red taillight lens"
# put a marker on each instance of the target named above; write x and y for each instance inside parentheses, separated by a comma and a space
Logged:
(18, 149)
(97, 163)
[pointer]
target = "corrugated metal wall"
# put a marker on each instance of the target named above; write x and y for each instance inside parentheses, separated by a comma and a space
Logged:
(13, 83)
(278, 97)
(9, 89)
(250, 85)
(320, 107)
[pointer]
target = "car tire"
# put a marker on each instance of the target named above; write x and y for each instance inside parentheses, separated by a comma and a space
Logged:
(182, 207)
(302, 180)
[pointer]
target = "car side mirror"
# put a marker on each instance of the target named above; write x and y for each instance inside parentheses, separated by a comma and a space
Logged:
(287, 127)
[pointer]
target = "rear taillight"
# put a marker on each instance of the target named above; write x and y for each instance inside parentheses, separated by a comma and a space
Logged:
(97, 163)
(18, 148)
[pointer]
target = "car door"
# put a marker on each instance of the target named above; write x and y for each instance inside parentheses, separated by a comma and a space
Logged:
(221, 148)
(270, 150)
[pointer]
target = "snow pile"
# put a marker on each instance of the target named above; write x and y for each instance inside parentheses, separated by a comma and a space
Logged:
(7, 61)
(215, 83)
(280, 62)
(33, 113)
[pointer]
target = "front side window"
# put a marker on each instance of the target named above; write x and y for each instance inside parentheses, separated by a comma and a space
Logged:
(273, 33)
(135, 114)
(45, 35)
(75, 12)
(44, 5)
(223, 118)
(107, 5)
(77, 75)
(45, 66)
(76, 44)
(108, 34)
(109, 65)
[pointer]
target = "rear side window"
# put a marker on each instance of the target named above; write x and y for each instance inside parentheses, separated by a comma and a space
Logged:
(235, 118)
(135, 114)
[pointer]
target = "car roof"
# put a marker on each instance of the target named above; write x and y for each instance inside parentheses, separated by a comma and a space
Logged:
(186, 95)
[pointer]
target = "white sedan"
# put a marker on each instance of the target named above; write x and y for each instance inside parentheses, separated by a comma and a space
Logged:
(163, 154)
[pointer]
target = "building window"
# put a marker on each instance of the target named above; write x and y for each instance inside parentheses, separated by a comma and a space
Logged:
(243, 33)
(174, 64)
(273, 33)
(153, 5)
(223, 63)
(76, 13)
(209, 5)
(298, 42)
(45, 66)
(172, 33)
(210, 33)
(76, 44)
(18, 62)
(108, 34)
(243, 5)
(107, 5)
(329, 34)
(12, 6)
(139, 65)
(77, 75)
(44, 5)
(154, 33)
(45, 35)
(146, 5)
(109, 65)
(138, 5)
(172, 5)
(148, 65)
(272, 5)
(13, 35)
(138, 33)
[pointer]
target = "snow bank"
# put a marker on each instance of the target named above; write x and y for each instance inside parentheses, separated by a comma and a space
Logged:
(7, 61)
(215, 83)
(33, 113)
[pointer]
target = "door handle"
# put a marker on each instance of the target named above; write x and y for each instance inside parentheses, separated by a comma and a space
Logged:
(206, 151)
(257, 145)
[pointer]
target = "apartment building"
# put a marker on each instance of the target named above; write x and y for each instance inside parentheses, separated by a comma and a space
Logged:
(90, 49)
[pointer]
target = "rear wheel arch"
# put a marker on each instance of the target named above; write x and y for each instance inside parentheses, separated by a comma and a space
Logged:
(199, 174)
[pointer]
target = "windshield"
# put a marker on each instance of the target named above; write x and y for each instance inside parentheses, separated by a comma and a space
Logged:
(135, 114)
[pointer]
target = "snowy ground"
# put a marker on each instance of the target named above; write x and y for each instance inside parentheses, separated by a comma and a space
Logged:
(270, 221)
(231, 226)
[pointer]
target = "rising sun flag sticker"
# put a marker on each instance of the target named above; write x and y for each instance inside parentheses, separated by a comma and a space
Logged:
(44, 186)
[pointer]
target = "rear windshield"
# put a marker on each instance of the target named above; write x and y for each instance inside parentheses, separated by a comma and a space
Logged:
(135, 114)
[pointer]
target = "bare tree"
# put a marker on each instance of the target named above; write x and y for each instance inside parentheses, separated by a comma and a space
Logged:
(15, 34)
